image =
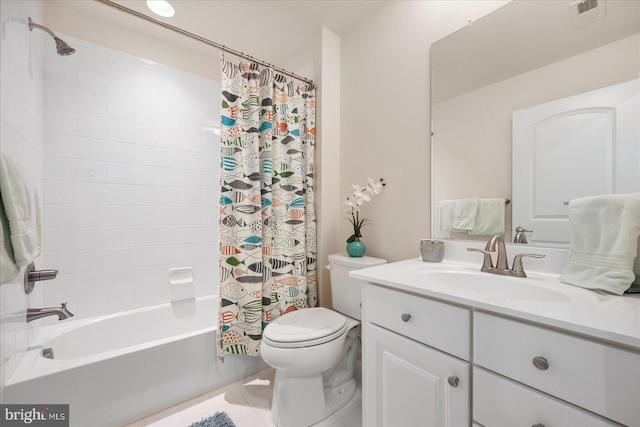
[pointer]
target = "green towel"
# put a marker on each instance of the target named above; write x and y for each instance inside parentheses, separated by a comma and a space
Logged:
(8, 268)
(22, 209)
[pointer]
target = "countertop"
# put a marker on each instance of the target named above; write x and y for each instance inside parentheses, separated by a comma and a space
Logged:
(611, 318)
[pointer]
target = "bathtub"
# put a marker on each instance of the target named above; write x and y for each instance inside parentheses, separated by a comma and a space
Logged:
(117, 368)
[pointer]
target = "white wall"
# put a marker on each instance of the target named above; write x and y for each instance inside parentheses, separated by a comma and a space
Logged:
(131, 180)
(385, 117)
(21, 139)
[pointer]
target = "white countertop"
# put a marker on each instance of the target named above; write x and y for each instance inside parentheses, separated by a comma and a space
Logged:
(607, 317)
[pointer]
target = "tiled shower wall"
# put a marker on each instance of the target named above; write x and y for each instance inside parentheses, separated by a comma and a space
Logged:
(130, 180)
(21, 139)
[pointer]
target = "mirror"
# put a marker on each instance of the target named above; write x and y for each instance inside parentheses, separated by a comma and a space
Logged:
(522, 56)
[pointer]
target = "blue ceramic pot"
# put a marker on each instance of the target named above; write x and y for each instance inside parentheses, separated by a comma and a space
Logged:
(356, 249)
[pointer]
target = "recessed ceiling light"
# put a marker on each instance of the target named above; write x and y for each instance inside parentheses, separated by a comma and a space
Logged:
(161, 7)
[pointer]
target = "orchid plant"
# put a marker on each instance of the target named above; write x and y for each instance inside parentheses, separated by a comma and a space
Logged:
(357, 199)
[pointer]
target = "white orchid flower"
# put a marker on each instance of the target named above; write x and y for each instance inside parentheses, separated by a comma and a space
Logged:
(375, 186)
(361, 194)
(349, 203)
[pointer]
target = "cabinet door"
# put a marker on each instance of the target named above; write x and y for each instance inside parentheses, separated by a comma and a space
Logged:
(406, 383)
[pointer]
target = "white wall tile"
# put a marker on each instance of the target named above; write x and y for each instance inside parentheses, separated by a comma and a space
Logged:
(121, 152)
(121, 194)
(60, 75)
(60, 168)
(120, 65)
(190, 178)
(59, 144)
(89, 81)
(169, 196)
(60, 239)
(91, 148)
(91, 193)
(60, 121)
(191, 197)
(91, 238)
(120, 89)
(120, 109)
(91, 170)
(59, 192)
(60, 216)
(91, 126)
(121, 131)
(60, 98)
(191, 161)
(91, 59)
(92, 104)
(168, 158)
(145, 175)
(170, 139)
(146, 195)
(91, 216)
(119, 173)
(120, 237)
(192, 142)
(146, 155)
(126, 178)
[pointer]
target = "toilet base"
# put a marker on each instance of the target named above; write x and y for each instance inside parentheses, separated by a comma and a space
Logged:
(306, 401)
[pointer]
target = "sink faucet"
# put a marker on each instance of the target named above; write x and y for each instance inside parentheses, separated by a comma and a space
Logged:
(502, 266)
(38, 313)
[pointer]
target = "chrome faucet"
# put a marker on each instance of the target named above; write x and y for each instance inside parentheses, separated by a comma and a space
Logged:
(502, 266)
(38, 313)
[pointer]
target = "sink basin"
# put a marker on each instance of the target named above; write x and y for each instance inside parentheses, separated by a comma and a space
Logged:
(493, 286)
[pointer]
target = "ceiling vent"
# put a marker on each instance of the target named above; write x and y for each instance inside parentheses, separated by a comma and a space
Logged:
(587, 11)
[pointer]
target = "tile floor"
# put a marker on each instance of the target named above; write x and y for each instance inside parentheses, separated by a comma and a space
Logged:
(248, 404)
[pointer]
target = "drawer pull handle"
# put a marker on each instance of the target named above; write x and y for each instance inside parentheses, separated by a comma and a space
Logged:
(453, 381)
(541, 363)
(538, 425)
(405, 317)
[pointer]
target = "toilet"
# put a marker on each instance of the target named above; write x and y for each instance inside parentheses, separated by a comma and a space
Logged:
(314, 350)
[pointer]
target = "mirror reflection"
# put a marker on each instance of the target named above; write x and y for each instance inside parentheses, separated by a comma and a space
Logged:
(537, 104)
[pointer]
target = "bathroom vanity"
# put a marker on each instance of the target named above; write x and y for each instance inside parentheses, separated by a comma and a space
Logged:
(447, 345)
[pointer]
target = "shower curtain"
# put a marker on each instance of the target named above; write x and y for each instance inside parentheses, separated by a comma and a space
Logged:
(267, 219)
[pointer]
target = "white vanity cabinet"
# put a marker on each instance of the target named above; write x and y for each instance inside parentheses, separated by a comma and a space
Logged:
(421, 369)
(410, 377)
(584, 373)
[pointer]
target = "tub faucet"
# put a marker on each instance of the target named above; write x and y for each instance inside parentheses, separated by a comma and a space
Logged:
(502, 266)
(38, 313)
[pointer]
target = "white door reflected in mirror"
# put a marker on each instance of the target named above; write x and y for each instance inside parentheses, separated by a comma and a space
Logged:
(592, 137)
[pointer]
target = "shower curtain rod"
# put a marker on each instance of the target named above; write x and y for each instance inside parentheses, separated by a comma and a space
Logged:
(219, 46)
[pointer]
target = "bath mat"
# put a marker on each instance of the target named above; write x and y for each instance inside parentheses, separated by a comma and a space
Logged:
(219, 419)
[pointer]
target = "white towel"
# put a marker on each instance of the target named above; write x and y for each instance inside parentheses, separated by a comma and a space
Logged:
(603, 242)
(22, 209)
(489, 218)
(447, 211)
(464, 216)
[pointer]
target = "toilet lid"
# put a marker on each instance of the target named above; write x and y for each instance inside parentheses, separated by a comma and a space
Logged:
(303, 328)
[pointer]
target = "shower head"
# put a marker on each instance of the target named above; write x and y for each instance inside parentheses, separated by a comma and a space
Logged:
(61, 46)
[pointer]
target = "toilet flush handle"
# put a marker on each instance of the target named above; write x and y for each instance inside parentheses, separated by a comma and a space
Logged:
(328, 266)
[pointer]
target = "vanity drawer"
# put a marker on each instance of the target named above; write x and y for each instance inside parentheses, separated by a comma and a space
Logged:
(439, 325)
(595, 376)
(526, 407)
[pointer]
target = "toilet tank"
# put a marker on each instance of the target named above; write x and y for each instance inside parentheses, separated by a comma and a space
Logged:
(345, 291)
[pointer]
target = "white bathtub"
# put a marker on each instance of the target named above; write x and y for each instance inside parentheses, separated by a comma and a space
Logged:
(115, 369)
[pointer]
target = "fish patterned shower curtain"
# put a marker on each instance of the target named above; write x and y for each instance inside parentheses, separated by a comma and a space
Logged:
(267, 218)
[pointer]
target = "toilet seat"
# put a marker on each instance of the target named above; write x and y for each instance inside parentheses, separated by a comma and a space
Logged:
(305, 328)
